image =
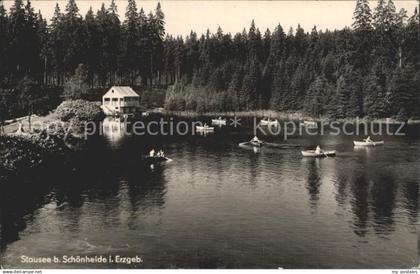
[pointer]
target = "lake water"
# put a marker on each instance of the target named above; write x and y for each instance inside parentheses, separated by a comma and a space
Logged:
(217, 205)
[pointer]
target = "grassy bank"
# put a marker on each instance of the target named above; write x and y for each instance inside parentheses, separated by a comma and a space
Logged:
(28, 143)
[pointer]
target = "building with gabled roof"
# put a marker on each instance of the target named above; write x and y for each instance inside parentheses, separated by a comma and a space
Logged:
(120, 100)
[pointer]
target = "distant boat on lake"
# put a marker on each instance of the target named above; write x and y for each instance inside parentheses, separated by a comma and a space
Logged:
(313, 153)
(368, 143)
(309, 124)
(218, 121)
(269, 122)
(156, 159)
(204, 128)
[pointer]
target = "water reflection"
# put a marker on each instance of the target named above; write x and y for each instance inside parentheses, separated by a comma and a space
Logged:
(313, 181)
(383, 203)
(114, 130)
(97, 186)
(411, 193)
(17, 208)
(360, 204)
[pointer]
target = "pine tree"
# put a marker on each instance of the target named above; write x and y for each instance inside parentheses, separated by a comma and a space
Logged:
(235, 86)
(404, 92)
(29, 95)
(4, 46)
(74, 37)
(318, 97)
(249, 96)
(111, 33)
(379, 16)
(362, 25)
(92, 55)
(279, 87)
(362, 17)
(17, 26)
(45, 55)
(56, 46)
(349, 102)
(375, 103)
(77, 86)
(131, 41)
(277, 48)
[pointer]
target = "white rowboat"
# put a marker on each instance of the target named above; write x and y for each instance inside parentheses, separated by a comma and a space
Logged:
(310, 124)
(368, 144)
(251, 144)
(312, 153)
(221, 122)
(204, 128)
(269, 122)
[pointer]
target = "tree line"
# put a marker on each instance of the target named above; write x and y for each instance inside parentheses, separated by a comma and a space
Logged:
(370, 69)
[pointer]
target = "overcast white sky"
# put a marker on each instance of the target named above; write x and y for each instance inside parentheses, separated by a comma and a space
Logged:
(233, 16)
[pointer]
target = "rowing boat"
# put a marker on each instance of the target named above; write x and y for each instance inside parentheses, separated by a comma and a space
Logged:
(156, 159)
(269, 122)
(309, 124)
(312, 153)
(251, 144)
(368, 144)
(204, 128)
(220, 122)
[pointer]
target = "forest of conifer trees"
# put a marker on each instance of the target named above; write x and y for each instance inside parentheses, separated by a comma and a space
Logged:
(369, 69)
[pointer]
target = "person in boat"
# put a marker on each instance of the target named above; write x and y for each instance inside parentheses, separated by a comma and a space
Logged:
(368, 140)
(152, 153)
(255, 140)
(318, 150)
(20, 128)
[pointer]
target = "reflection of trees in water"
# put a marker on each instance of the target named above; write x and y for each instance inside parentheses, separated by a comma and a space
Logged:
(314, 181)
(374, 193)
(359, 204)
(411, 203)
(340, 184)
(383, 192)
(93, 177)
(19, 198)
(148, 190)
(372, 196)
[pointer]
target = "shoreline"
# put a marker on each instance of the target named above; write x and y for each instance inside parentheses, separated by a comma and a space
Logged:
(287, 116)
(26, 146)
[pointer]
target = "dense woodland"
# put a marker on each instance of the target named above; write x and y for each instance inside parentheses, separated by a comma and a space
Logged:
(369, 69)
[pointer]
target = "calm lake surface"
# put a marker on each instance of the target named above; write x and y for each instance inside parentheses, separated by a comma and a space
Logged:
(217, 205)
